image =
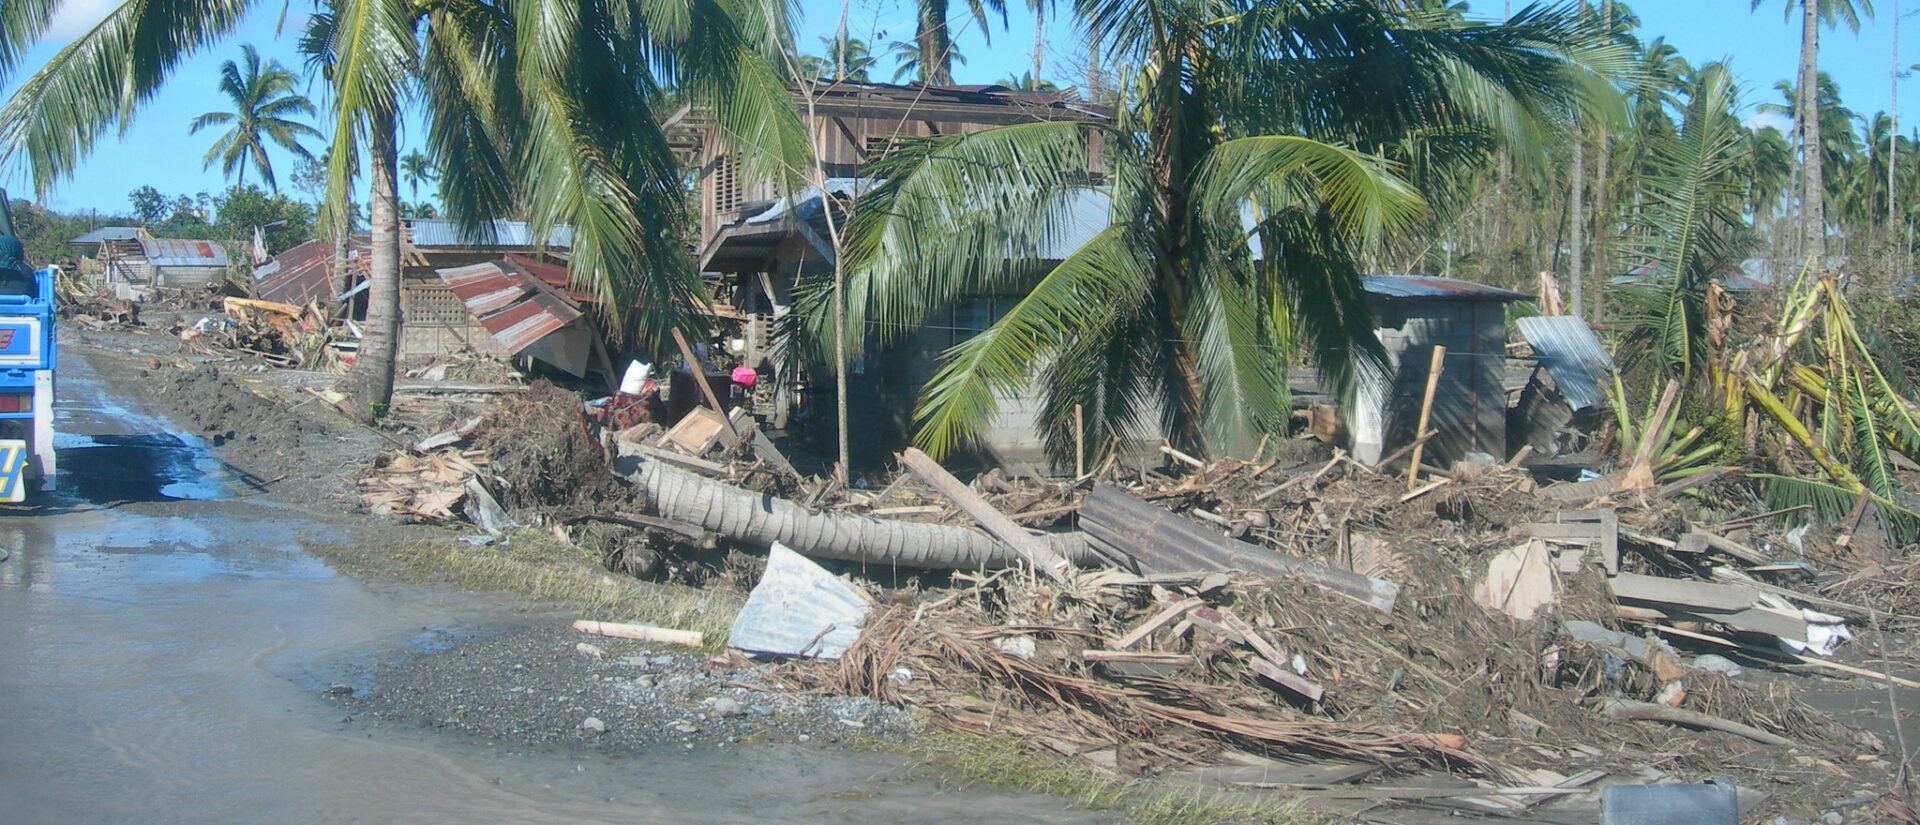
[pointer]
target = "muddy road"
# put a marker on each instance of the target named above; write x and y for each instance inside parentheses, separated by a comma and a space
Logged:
(166, 648)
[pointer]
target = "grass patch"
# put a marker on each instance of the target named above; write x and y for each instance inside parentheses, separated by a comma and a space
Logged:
(534, 563)
(972, 761)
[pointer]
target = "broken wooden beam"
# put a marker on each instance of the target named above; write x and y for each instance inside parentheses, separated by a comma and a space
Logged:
(1013, 535)
(1647, 711)
(1158, 620)
(1155, 540)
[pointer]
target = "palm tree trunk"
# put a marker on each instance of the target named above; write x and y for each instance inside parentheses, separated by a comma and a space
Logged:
(762, 520)
(1576, 218)
(374, 363)
(1039, 39)
(1815, 212)
(1601, 193)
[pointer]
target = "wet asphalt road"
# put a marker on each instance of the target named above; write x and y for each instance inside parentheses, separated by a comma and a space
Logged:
(165, 644)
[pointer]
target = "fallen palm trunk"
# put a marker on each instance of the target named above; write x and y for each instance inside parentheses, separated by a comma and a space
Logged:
(761, 520)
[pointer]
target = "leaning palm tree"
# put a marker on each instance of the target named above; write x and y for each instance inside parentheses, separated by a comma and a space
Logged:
(547, 108)
(415, 169)
(1806, 122)
(1231, 217)
(264, 100)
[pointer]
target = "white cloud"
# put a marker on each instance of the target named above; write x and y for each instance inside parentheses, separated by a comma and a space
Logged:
(75, 17)
(1761, 120)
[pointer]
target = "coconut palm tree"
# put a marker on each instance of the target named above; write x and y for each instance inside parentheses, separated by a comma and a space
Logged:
(934, 34)
(908, 63)
(1241, 182)
(264, 100)
(1694, 194)
(1813, 183)
(415, 169)
(548, 108)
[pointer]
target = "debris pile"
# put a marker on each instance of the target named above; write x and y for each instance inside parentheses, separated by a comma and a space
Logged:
(84, 303)
(1466, 629)
(424, 488)
(282, 335)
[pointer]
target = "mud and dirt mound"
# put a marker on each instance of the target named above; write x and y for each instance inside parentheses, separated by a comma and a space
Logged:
(275, 445)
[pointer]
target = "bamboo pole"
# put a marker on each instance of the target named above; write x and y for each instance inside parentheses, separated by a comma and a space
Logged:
(1426, 412)
(1079, 442)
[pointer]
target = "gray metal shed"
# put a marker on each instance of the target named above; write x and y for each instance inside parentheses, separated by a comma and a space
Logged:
(1412, 314)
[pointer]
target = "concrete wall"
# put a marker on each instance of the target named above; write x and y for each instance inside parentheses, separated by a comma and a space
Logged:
(1469, 406)
(188, 276)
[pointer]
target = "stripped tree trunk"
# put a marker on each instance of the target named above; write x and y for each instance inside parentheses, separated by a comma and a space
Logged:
(760, 520)
(1813, 199)
(374, 362)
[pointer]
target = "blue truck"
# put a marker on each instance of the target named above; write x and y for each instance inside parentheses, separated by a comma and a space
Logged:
(27, 359)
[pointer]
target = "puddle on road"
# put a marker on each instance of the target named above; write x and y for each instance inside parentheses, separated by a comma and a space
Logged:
(109, 469)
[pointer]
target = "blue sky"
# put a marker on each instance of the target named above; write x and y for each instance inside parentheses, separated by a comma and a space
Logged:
(158, 151)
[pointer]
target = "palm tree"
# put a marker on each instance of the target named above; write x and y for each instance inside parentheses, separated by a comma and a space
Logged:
(853, 54)
(1234, 225)
(908, 62)
(1806, 123)
(416, 168)
(934, 34)
(263, 100)
(1694, 194)
(1026, 82)
(547, 108)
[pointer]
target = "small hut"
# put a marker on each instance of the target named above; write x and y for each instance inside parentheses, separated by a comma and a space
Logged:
(1413, 314)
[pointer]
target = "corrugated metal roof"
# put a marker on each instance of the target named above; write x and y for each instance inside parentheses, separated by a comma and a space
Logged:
(177, 252)
(1567, 347)
(517, 308)
(303, 273)
(108, 233)
(434, 233)
(1426, 286)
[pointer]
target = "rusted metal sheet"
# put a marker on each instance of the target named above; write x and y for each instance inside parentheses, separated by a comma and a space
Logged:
(1424, 286)
(304, 273)
(516, 307)
(177, 252)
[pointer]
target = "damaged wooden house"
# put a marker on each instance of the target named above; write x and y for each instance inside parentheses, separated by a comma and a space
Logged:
(755, 246)
(497, 294)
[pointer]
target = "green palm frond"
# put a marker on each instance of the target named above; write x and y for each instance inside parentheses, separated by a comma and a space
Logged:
(98, 81)
(1693, 198)
(21, 24)
(373, 54)
(1831, 503)
(1102, 279)
(1268, 175)
(956, 215)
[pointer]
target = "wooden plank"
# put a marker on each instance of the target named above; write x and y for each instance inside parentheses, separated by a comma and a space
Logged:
(1287, 679)
(1610, 540)
(1134, 657)
(1565, 532)
(699, 375)
(1727, 546)
(697, 464)
(1158, 541)
(1026, 544)
(1713, 598)
(1167, 614)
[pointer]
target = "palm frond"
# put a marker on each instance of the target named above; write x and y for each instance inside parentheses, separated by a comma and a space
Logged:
(958, 215)
(1104, 278)
(374, 53)
(1266, 175)
(101, 79)
(1830, 503)
(21, 24)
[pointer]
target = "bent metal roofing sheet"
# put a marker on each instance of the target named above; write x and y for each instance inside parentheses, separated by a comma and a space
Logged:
(516, 308)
